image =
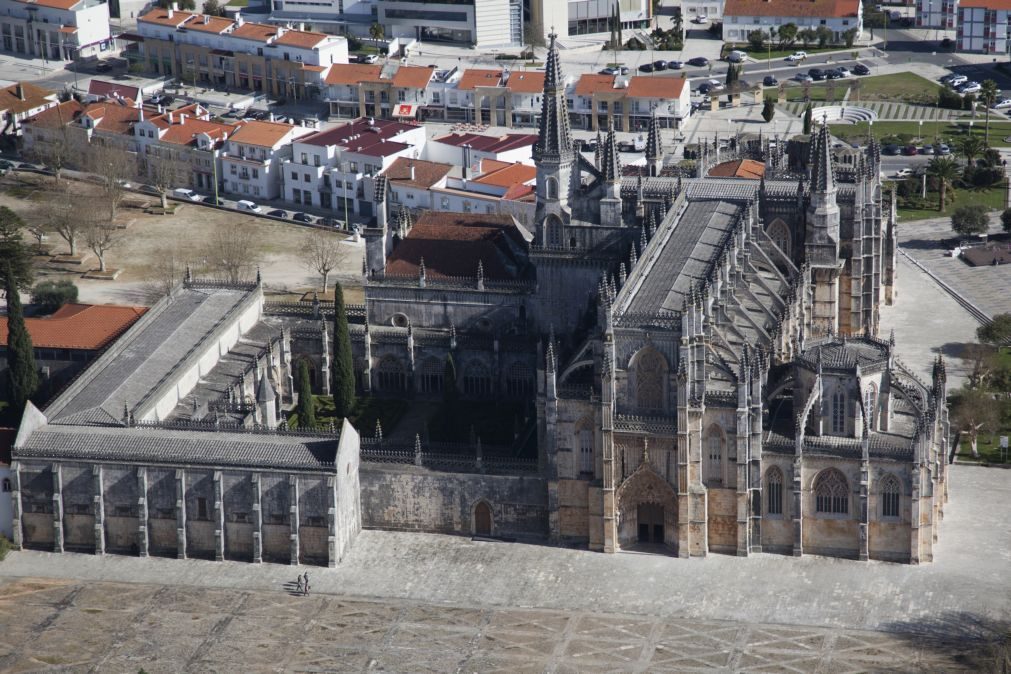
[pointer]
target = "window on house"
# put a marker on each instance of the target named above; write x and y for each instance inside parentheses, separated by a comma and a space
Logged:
(233, 170)
(307, 197)
(256, 190)
(870, 405)
(296, 196)
(774, 491)
(305, 177)
(354, 167)
(445, 202)
(890, 494)
(294, 176)
(256, 173)
(831, 493)
(305, 158)
(315, 160)
(348, 186)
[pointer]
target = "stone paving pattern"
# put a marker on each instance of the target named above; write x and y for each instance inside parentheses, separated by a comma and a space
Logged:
(420, 602)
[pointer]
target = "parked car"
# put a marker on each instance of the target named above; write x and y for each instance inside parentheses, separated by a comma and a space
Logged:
(797, 56)
(927, 149)
(331, 222)
(588, 145)
(368, 58)
(698, 61)
(861, 69)
(803, 77)
(843, 71)
(736, 56)
(956, 81)
(660, 65)
(103, 67)
(277, 213)
(1002, 103)
(638, 144)
(903, 173)
(910, 150)
(214, 201)
(646, 68)
(942, 149)
(816, 73)
(673, 65)
(610, 71)
(303, 217)
(970, 88)
(701, 18)
(246, 205)
(770, 81)
(187, 194)
(833, 74)
(891, 150)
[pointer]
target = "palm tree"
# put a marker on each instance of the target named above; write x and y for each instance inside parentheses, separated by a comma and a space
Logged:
(945, 170)
(988, 94)
(377, 32)
(972, 147)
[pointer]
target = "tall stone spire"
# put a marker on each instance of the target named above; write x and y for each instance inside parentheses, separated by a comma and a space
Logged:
(654, 147)
(610, 203)
(821, 237)
(611, 165)
(553, 138)
(822, 179)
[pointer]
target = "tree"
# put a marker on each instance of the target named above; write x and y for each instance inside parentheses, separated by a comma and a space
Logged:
(101, 237)
(997, 331)
(188, 5)
(945, 171)
(165, 172)
(22, 375)
(850, 36)
(306, 408)
(807, 36)
(1005, 219)
(970, 219)
(58, 147)
(343, 365)
(989, 93)
(213, 8)
(972, 147)
(807, 120)
(51, 295)
(322, 253)
(165, 273)
(974, 411)
(231, 254)
(377, 32)
(13, 250)
(768, 110)
(62, 215)
(823, 34)
(733, 76)
(787, 35)
(757, 39)
(113, 166)
(678, 25)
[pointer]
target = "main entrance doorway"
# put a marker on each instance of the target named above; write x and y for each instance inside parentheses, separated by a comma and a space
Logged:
(650, 518)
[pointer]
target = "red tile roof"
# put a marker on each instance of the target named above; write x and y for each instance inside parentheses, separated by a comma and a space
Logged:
(452, 244)
(594, 84)
(479, 78)
(58, 115)
(55, 4)
(792, 8)
(300, 38)
(426, 173)
(259, 32)
(655, 87)
(526, 82)
(31, 97)
(78, 326)
(513, 174)
(740, 168)
(360, 136)
(353, 73)
(262, 134)
(985, 4)
(492, 144)
(161, 17)
(113, 116)
(205, 23)
(413, 77)
(103, 89)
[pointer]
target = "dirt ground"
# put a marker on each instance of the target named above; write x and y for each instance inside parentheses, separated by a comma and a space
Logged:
(187, 235)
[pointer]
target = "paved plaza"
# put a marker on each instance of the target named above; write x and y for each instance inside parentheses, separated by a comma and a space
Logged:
(419, 602)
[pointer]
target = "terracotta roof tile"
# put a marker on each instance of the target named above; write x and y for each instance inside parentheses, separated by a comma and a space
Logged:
(740, 168)
(262, 134)
(55, 4)
(78, 326)
(353, 73)
(361, 136)
(58, 115)
(113, 116)
(655, 87)
(301, 38)
(184, 133)
(526, 82)
(985, 4)
(452, 244)
(413, 77)
(479, 78)
(514, 174)
(31, 97)
(791, 8)
(259, 32)
(491, 144)
(205, 23)
(594, 84)
(426, 173)
(103, 89)
(160, 16)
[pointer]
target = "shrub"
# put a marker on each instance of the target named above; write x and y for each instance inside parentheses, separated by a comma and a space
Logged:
(946, 98)
(970, 219)
(1005, 219)
(5, 547)
(51, 295)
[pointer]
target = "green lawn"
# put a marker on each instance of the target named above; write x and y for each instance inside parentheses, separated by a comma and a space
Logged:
(949, 132)
(905, 87)
(988, 446)
(818, 92)
(992, 197)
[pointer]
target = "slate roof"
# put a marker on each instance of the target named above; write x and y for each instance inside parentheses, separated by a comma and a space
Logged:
(490, 144)
(157, 445)
(685, 257)
(103, 89)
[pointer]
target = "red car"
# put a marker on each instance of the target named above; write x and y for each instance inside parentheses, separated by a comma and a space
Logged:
(910, 150)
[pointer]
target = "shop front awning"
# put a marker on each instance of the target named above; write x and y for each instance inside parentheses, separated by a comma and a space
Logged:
(405, 110)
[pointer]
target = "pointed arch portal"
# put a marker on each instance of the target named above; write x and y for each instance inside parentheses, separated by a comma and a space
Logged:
(647, 510)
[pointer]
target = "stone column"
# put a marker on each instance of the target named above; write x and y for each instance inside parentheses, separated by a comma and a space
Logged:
(143, 542)
(181, 514)
(219, 518)
(99, 498)
(257, 520)
(333, 535)
(293, 516)
(798, 507)
(865, 489)
(57, 508)
(18, 533)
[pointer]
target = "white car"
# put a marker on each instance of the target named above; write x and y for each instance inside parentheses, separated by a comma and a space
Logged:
(245, 205)
(701, 18)
(188, 195)
(957, 81)
(843, 71)
(903, 173)
(970, 88)
(797, 56)
(737, 56)
(1002, 103)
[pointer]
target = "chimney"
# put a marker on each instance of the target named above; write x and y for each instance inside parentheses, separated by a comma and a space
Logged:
(161, 109)
(301, 27)
(238, 19)
(207, 19)
(412, 171)
(175, 6)
(170, 117)
(271, 117)
(142, 113)
(169, 12)
(19, 90)
(182, 118)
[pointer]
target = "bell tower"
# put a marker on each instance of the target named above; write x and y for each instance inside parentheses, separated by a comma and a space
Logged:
(821, 241)
(553, 153)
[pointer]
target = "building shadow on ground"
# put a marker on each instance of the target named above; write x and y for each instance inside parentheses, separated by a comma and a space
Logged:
(969, 640)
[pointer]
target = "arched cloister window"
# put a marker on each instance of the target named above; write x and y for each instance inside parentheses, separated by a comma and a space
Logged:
(774, 491)
(715, 447)
(890, 496)
(519, 380)
(431, 374)
(870, 404)
(780, 235)
(584, 441)
(650, 377)
(553, 227)
(551, 188)
(839, 410)
(477, 380)
(392, 374)
(831, 493)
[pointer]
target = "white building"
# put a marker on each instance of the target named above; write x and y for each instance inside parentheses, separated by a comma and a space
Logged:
(740, 17)
(21, 101)
(711, 9)
(589, 19)
(984, 26)
(482, 23)
(56, 30)
(254, 156)
(937, 13)
(470, 149)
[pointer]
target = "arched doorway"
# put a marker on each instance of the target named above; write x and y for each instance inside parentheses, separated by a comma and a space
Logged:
(482, 519)
(647, 510)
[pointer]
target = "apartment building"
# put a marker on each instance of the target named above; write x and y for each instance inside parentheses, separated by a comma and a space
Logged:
(740, 17)
(629, 101)
(254, 156)
(390, 91)
(334, 169)
(21, 101)
(412, 181)
(218, 51)
(938, 13)
(586, 19)
(469, 150)
(984, 26)
(481, 23)
(55, 30)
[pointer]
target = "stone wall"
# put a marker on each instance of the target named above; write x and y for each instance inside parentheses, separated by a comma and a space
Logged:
(416, 499)
(722, 515)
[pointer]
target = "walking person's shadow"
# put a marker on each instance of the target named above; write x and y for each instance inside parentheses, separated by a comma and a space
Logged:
(293, 588)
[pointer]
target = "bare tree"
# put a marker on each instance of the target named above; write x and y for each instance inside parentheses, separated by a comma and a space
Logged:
(231, 254)
(322, 253)
(165, 172)
(168, 270)
(101, 237)
(64, 217)
(113, 166)
(59, 146)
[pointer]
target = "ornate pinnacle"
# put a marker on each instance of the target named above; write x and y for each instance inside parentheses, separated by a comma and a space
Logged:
(480, 275)
(379, 431)
(189, 274)
(891, 337)
(259, 278)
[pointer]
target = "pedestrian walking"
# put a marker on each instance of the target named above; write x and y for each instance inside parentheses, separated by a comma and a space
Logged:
(298, 583)
(306, 591)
